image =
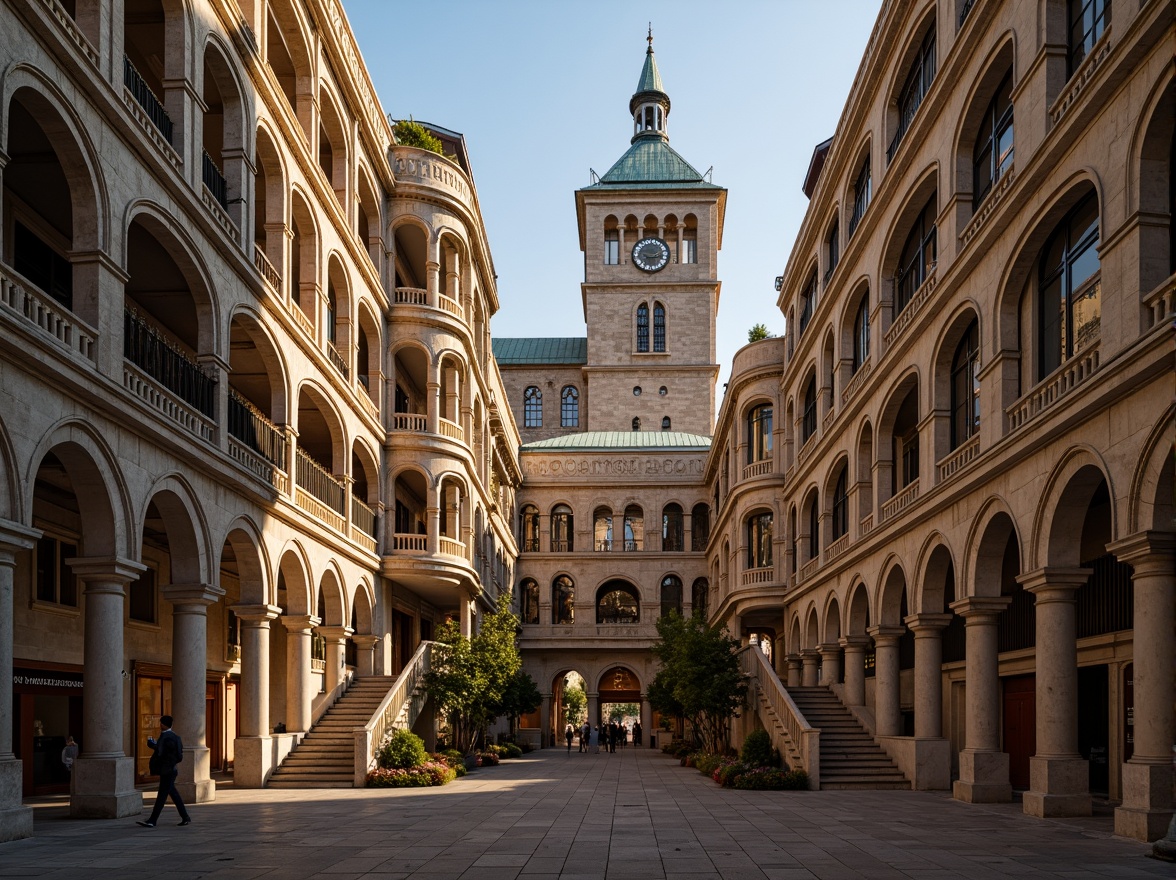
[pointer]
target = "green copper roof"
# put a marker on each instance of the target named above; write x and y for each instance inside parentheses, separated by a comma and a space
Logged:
(540, 350)
(611, 440)
(650, 79)
(652, 161)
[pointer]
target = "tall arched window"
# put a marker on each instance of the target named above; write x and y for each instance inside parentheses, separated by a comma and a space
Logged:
(617, 603)
(699, 528)
(673, 540)
(563, 600)
(636, 423)
(643, 327)
(665, 423)
(808, 298)
(965, 387)
(659, 327)
(833, 242)
(992, 155)
(561, 529)
(1088, 19)
(533, 407)
(759, 433)
(671, 596)
(918, 81)
(861, 333)
(569, 407)
(634, 527)
(841, 505)
(602, 529)
(612, 247)
(529, 528)
(814, 524)
(699, 596)
(918, 257)
(809, 424)
(759, 541)
(529, 600)
(861, 196)
(1069, 288)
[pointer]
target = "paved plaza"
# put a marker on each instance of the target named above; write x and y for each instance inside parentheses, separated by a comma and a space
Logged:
(635, 815)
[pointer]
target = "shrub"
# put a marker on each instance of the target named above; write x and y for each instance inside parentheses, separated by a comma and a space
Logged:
(771, 779)
(757, 749)
(727, 771)
(706, 762)
(428, 773)
(413, 134)
(510, 750)
(401, 750)
(487, 759)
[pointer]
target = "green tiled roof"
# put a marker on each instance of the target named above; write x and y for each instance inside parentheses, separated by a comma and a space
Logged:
(540, 350)
(590, 440)
(650, 79)
(652, 161)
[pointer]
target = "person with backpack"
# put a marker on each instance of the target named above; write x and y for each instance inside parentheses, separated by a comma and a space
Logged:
(167, 752)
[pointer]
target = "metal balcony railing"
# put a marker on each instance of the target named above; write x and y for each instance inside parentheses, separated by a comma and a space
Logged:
(254, 430)
(215, 181)
(159, 358)
(317, 482)
(146, 99)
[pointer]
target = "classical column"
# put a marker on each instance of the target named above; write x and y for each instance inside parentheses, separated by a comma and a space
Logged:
(467, 617)
(190, 685)
(646, 720)
(888, 718)
(365, 655)
(253, 750)
(334, 670)
(855, 669)
(1148, 776)
(794, 677)
(103, 781)
(545, 722)
(830, 663)
(809, 658)
(593, 708)
(433, 282)
(984, 768)
(299, 691)
(16, 820)
(928, 630)
(1059, 777)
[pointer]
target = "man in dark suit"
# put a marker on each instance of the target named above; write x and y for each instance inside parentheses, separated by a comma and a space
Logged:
(168, 751)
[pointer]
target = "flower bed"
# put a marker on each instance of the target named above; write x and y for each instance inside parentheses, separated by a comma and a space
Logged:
(426, 774)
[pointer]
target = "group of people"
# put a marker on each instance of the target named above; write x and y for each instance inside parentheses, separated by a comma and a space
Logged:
(610, 736)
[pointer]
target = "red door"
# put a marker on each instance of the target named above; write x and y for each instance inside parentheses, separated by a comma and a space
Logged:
(1020, 726)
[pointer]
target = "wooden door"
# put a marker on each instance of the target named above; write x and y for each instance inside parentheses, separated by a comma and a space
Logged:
(1020, 726)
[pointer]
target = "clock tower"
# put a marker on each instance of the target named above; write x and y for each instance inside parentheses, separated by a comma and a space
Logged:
(650, 229)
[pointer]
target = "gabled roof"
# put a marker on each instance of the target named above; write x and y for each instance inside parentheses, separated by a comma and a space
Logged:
(540, 350)
(612, 440)
(651, 162)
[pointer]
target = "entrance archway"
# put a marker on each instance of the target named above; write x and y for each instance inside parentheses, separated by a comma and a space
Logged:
(619, 692)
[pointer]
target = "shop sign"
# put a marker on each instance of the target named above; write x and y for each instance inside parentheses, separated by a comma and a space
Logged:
(50, 678)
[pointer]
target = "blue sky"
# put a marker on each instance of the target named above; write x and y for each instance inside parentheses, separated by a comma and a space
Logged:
(541, 92)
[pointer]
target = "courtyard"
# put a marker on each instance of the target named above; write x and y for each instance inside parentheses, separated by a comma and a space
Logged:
(634, 815)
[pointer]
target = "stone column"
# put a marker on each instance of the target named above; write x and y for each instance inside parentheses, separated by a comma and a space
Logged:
(1059, 778)
(593, 708)
(299, 692)
(433, 282)
(190, 685)
(1148, 777)
(809, 659)
(253, 749)
(794, 677)
(545, 722)
(16, 820)
(646, 719)
(103, 782)
(830, 663)
(928, 630)
(984, 768)
(365, 655)
(467, 617)
(888, 718)
(855, 669)
(336, 637)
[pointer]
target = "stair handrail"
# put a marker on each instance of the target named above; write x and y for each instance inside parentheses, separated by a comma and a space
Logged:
(805, 738)
(406, 689)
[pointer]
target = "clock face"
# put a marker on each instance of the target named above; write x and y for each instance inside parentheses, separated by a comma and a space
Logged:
(651, 254)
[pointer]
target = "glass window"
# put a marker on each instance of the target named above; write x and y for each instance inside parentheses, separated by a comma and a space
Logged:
(1088, 20)
(617, 605)
(809, 424)
(861, 196)
(643, 327)
(909, 457)
(56, 581)
(659, 327)
(861, 334)
(814, 536)
(636, 423)
(612, 247)
(808, 303)
(634, 527)
(759, 541)
(563, 600)
(834, 244)
(699, 528)
(529, 528)
(992, 155)
(841, 506)
(529, 599)
(671, 596)
(699, 596)
(689, 247)
(569, 407)
(673, 531)
(965, 387)
(602, 529)
(533, 407)
(665, 423)
(918, 257)
(918, 81)
(759, 433)
(1069, 288)
(561, 529)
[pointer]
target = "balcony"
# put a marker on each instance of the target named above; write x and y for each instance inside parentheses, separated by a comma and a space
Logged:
(757, 469)
(414, 296)
(24, 301)
(753, 576)
(159, 373)
(363, 524)
(410, 422)
(217, 186)
(406, 542)
(900, 502)
(256, 442)
(917, 288)
(337, 360)
(318, 492)
(858, 380)
(1057, 385)
(837, 547)
(808, 570)
(451, 430)
(271, 275)
(145, 98)
(958, 458)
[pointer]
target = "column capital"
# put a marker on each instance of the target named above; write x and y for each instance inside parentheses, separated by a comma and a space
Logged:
(1146, 550)
(926, 623)
(810, 652)
(859, 642)
(192, 594)
(109, 569)
(1055, 583)
(793, 657)
(365, 641)
(338, 633)
(885, 633)
(256, 614)
(980, 609)
(14, 538)
(828, 648)
(299, 622)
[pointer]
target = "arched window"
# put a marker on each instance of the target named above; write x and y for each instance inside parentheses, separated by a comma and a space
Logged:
(634, 527)
(833, 242)
(671, 596)
(809, 424)
(563, 600)
(659, 327)
(532, 407)
(795, 540)
(1088, 19)
(612, 247)
(673, 540)
(617, 602)
(808, 303)
(1069, 288)
(561, 529)
(602, 525)
(918, 81)
(759, 433)
(699, 528)
(918, 257)
(643, 327)
(699, 596)
(841, 506)
(529, 600)
(992, 155)
(569, 407)
(861, 333)
(529, 528)
(636, 423)
(814, 524)
(759, 541)
(965, 387)
(861, 196)
(665, 423)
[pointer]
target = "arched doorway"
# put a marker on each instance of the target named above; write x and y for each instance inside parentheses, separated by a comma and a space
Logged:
(619, 697)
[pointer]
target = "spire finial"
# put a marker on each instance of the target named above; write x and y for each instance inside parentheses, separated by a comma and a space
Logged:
(649, 38)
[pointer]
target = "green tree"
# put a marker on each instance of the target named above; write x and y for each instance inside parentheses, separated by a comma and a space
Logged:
(617, 711)
(412, 134)
(522, 696)
(699, 677)
(575, 704)
(758, 332)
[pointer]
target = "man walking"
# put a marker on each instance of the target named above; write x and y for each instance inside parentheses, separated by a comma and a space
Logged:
(585, 733)
(168, 751)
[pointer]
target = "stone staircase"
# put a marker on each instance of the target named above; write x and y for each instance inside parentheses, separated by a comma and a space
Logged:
(850, 759)
(326, 756)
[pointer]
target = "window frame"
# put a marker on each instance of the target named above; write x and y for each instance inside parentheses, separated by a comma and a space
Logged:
(808, 427)
(759, 540)
(1077, 51)
(862, 191)
(997, 122)
(569, 407)
(840, 522)
(62, 549)
(563, 521)
(529, 602)
(533, 407)
(699, 537)
(965, 400)
(861, 334)
(1068, 293)
(643, 327)
(673, 528)
(634, 538)
(529, 519)
(659, 328)
(919, 78)
(759, 433)
(563, 588)
(914, 267)
(672, 605)
(612, 247)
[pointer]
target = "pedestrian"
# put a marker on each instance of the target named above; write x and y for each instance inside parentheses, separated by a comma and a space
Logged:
(585, 733)
(69, 754)
(594, 741)
(612, 737)
(167, 751)
(569, 735)
(636, 733)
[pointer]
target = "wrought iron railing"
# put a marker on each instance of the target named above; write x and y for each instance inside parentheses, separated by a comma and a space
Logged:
(146, 99)
(215, 181)
(363, 517)
(159, 358)
(319, 483)
(252, 428)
